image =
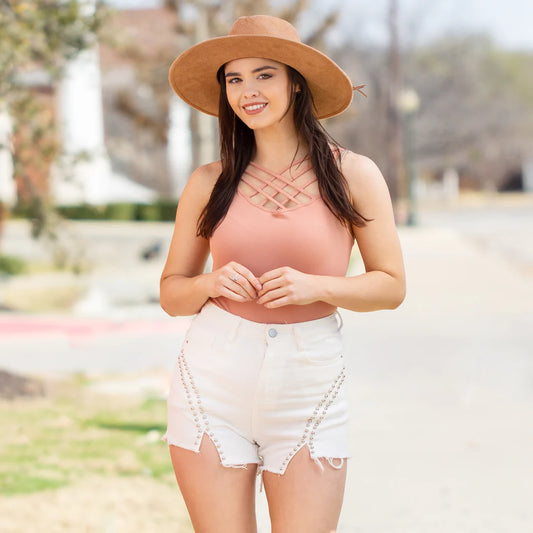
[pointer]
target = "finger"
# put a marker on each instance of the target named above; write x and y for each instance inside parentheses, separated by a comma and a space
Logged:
(276, 283)
(241, 270)
(242, 286)
(234, 295)
(246, 280)
(272, 295)
(270, 275)
(279, 302)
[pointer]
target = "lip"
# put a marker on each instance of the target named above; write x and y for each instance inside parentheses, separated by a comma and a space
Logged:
(255, 110)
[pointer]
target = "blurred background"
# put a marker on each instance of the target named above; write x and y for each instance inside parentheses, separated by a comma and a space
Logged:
(95, 150)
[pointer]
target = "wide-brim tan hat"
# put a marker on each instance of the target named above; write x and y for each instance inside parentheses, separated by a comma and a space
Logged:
(193, 74)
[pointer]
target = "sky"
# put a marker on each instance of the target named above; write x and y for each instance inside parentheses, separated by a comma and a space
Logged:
(510, 22)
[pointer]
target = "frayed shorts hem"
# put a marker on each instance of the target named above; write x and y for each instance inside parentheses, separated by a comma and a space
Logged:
(261, 468)
(196, 449)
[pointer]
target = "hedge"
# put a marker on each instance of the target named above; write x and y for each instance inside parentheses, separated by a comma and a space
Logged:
(12, 265)
(161, 211)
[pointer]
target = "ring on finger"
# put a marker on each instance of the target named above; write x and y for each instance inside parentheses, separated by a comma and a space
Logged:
(234, 278)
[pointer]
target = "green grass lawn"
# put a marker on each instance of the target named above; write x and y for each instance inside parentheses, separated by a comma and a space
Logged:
(73, 433)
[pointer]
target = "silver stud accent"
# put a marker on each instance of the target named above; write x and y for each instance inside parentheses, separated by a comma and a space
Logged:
(318, 415)
(195, 403)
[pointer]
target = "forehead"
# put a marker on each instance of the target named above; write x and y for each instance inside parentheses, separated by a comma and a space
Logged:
(251, 63)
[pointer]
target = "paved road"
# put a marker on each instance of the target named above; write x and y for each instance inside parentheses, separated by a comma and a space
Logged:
(441, 389)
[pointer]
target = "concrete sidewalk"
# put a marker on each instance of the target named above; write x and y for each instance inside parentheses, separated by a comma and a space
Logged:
(441, 389)
(442, 396)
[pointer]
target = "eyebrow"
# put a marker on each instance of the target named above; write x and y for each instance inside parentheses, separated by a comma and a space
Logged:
(254, 71)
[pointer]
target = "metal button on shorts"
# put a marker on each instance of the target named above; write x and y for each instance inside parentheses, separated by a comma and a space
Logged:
(272, 332)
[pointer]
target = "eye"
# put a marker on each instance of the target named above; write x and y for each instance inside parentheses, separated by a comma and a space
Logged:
(264, 76)
(232, 80)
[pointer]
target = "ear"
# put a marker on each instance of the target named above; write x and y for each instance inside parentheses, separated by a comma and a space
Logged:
(297, 89)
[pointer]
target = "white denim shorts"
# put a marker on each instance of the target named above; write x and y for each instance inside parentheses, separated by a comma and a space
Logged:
(260, 392)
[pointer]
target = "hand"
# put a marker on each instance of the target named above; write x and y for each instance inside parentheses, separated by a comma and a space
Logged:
(287, 286)
(235, 282)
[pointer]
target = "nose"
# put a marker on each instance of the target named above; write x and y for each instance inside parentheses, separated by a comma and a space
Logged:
(251, 91)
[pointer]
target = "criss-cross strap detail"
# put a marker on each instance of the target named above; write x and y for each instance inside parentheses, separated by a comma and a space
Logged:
(277, 189)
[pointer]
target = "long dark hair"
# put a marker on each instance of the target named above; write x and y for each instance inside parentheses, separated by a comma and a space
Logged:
(237, 147)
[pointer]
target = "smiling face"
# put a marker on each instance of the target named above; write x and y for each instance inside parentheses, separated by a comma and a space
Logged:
(258, 91)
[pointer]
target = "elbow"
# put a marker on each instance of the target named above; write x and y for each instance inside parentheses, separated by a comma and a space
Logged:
(398, 297)
(166, 306)
(174, 306)
(166, 309)
(394, 304)
(167, 301)
(394, 294)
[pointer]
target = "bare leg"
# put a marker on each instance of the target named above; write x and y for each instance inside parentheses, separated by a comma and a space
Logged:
(305, 499)
(219, 499)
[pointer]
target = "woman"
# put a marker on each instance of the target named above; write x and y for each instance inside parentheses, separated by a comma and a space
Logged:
(259, 382)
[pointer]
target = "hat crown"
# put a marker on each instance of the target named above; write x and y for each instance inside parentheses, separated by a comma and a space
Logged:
(265, 25)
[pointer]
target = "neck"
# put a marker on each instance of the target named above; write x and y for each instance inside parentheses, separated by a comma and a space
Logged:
(278, 147)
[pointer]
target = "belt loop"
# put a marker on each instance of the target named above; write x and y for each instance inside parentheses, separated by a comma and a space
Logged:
(341, 322)
(297, 337)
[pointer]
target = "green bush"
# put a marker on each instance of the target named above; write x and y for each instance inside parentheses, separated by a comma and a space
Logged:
(167, 210)
(120, 211)
(82, 212)
(12, 265)
(148, 213)
(160, 211)
(24, 210)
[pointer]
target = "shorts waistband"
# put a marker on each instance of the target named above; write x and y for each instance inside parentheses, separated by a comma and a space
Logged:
(211, 311)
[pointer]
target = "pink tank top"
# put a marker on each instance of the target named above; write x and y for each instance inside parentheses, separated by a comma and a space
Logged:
(280, 220)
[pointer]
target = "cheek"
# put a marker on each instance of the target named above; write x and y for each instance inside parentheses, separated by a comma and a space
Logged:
(232, 98)
(283, 98)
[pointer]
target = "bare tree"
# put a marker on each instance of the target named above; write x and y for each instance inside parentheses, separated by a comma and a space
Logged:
(393, 144)
(476, 104)
(36, 41)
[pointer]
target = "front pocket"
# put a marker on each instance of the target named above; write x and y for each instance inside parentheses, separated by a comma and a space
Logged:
(324, 350)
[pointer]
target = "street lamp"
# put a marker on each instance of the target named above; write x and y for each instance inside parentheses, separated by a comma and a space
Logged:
(408, 106)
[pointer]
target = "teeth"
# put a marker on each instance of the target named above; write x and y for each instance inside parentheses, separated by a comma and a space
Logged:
(254, 107)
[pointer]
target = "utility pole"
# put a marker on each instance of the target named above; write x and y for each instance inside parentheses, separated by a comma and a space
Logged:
(393, 122)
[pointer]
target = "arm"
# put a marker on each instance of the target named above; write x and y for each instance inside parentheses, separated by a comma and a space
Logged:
(382, 286)
(184, 288)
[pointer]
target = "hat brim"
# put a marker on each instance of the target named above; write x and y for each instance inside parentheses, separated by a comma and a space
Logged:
(192, 75)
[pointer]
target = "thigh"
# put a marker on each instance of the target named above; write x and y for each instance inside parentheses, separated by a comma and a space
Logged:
(219, 499)
(306, 498)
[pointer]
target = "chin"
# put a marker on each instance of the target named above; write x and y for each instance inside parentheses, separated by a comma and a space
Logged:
(256, 124)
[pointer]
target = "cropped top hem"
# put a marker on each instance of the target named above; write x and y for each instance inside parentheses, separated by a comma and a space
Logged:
(279, 315)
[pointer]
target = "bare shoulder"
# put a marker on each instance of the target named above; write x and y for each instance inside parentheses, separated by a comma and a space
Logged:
(202, 180)
(365, 180)
(359, 170)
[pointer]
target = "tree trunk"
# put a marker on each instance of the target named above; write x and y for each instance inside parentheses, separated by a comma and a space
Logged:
(393, 127)
(202, 128)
